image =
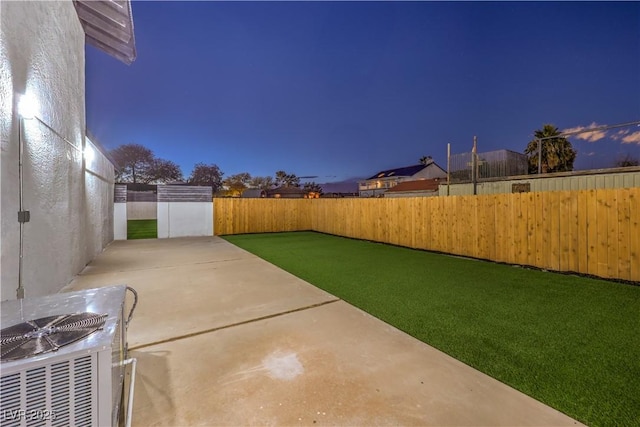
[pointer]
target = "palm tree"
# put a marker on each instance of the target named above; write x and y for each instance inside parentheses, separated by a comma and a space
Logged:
(425, 160)
(558, 154)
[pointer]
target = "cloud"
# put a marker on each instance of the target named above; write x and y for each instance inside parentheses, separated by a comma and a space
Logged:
(627, 137)
(632, 138)
(590, 153)
(594, 136)
(620, 134)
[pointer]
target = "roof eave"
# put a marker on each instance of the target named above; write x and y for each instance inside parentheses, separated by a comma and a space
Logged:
(108, 26)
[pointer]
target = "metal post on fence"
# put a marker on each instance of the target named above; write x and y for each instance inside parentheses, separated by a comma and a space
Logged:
(448, 166)
(539, 156)
(474, 165)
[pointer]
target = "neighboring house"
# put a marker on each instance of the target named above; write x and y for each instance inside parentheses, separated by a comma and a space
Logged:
(419, 188)
(287, 193)
(65, 181)
(254, 193)
(339, 189)
(378, 184)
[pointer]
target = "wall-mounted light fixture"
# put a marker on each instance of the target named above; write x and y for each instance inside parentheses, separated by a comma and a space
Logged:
(27, 107)
(88, 153)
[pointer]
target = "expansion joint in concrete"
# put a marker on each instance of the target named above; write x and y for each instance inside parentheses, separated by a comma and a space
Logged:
(244, 322)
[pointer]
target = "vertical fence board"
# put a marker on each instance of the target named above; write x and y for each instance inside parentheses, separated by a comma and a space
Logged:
(515, 225)
(498, 229)
(623, 218)
(470, 228)
(583, 235)
(466, 226)
(540, 241)
(531, 229)
(602, 213)
(592, 232)
(454, 217)
(436, 222)
(419, 222)
(491, 210)
(428, 221)
(554, 230)
(483, 227)
(522, 229)
(574, 231)
(564, 224)
(612, 232)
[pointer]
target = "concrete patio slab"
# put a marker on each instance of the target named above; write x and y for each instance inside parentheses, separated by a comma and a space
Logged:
(225, 338)
(187, 286)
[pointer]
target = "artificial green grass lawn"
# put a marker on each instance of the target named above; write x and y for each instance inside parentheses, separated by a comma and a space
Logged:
(142, 229)
(570, 342)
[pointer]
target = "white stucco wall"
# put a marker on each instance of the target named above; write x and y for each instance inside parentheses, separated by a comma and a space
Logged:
(182, 219)
(71, 203)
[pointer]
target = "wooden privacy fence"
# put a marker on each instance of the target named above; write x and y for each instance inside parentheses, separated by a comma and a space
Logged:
(592, 232)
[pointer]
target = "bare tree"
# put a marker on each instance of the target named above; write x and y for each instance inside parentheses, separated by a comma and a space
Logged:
(261, 182)
(284, 179)
(312, 187)
(237, 183)
(627, 160)
(162, 171)
(207, 175)
(138, 164)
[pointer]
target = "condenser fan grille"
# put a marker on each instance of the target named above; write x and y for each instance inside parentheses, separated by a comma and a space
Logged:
(47, 334)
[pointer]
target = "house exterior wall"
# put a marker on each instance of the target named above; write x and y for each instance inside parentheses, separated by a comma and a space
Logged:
(431, 171)
(376, 187)
(70, 199)
(620, 178)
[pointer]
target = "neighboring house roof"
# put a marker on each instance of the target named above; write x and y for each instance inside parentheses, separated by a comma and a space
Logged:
(108, 26)
(405, 171)
(287, 190)
(418, 185)
(254, 193)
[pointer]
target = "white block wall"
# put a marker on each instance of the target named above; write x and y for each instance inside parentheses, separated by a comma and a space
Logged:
(120, 221)
(183, 219)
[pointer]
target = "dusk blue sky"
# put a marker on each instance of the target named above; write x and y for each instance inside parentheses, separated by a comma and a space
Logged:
(345, 89)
